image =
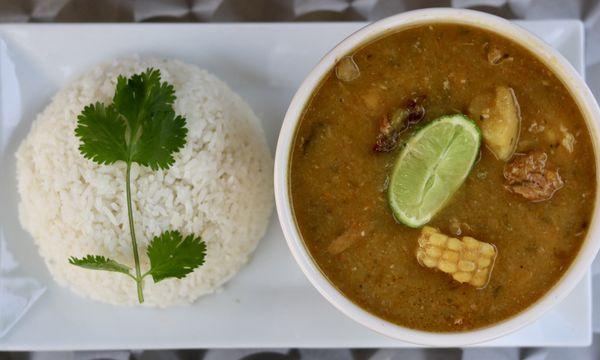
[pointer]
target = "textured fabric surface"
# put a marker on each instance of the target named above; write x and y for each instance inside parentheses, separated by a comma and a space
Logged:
(317, 10)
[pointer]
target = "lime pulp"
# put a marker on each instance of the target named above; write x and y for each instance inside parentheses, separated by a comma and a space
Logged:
(431, 167)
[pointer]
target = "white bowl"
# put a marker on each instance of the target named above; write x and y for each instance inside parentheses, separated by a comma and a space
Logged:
(545, 53)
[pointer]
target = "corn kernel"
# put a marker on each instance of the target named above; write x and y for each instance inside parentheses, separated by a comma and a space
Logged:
(484, 262)
(465, 265)
(429, 262)
(447, 266)
(450, 255)
(428, 230)
(487, 249)
(469, 255)
(470, 242)
(480, 278)
(437, 239)
(462, 276)
(454, 244)
(433, 251)
(478, 282)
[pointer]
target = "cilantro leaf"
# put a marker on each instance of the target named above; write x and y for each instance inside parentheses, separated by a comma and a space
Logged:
(171, 255)
(161, 137)
(143, 95)
(99, 262)
(102, 134)
(139, 126)
(147, 105)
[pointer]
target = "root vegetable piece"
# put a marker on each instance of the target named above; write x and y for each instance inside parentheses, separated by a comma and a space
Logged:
(498, 115)
(467, 260)
(347, 69)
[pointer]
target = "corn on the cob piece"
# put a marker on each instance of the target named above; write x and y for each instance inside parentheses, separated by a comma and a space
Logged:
(467, 260)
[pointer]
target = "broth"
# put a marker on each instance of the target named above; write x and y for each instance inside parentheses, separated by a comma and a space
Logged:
(339, 184)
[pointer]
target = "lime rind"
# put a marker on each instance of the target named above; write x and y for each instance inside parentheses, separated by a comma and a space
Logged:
(433, 164)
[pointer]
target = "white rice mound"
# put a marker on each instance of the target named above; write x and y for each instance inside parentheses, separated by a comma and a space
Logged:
(220, 187)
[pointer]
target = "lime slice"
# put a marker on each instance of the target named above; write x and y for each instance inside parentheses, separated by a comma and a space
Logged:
(432, 166)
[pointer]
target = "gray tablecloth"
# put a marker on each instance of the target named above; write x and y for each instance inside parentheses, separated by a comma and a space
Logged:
(316, 10)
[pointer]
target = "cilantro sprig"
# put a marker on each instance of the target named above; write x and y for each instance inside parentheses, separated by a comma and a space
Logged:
(140, 126)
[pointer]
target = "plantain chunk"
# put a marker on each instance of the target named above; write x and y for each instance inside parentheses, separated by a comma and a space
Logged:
(467, 260)
(498, 115)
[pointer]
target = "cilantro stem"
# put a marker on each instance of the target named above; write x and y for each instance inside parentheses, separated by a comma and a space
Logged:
(136, 256)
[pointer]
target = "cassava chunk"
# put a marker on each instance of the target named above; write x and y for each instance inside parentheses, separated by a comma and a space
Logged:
(498, 115)
(528, 176)
(347, 69)
(467, 261)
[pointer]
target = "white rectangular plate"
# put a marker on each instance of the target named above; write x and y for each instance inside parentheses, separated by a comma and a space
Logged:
(270, 303)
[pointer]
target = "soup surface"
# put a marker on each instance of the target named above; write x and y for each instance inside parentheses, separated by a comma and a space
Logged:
(339, 183)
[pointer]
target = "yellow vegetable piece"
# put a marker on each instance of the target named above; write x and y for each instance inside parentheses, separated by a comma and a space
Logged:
(498, 115)
(468, 261)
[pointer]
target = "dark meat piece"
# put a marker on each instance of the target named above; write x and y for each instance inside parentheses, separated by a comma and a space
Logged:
(392, 127)
(387, 140)
(527, 176)
(415, 112)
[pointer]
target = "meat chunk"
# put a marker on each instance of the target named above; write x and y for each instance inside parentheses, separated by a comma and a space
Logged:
(392, 127)
(528, 176)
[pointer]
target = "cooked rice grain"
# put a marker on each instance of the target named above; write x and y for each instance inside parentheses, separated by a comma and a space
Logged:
(219, 187)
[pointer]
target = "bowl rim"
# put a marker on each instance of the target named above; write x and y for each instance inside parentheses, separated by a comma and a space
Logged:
(544, 52)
